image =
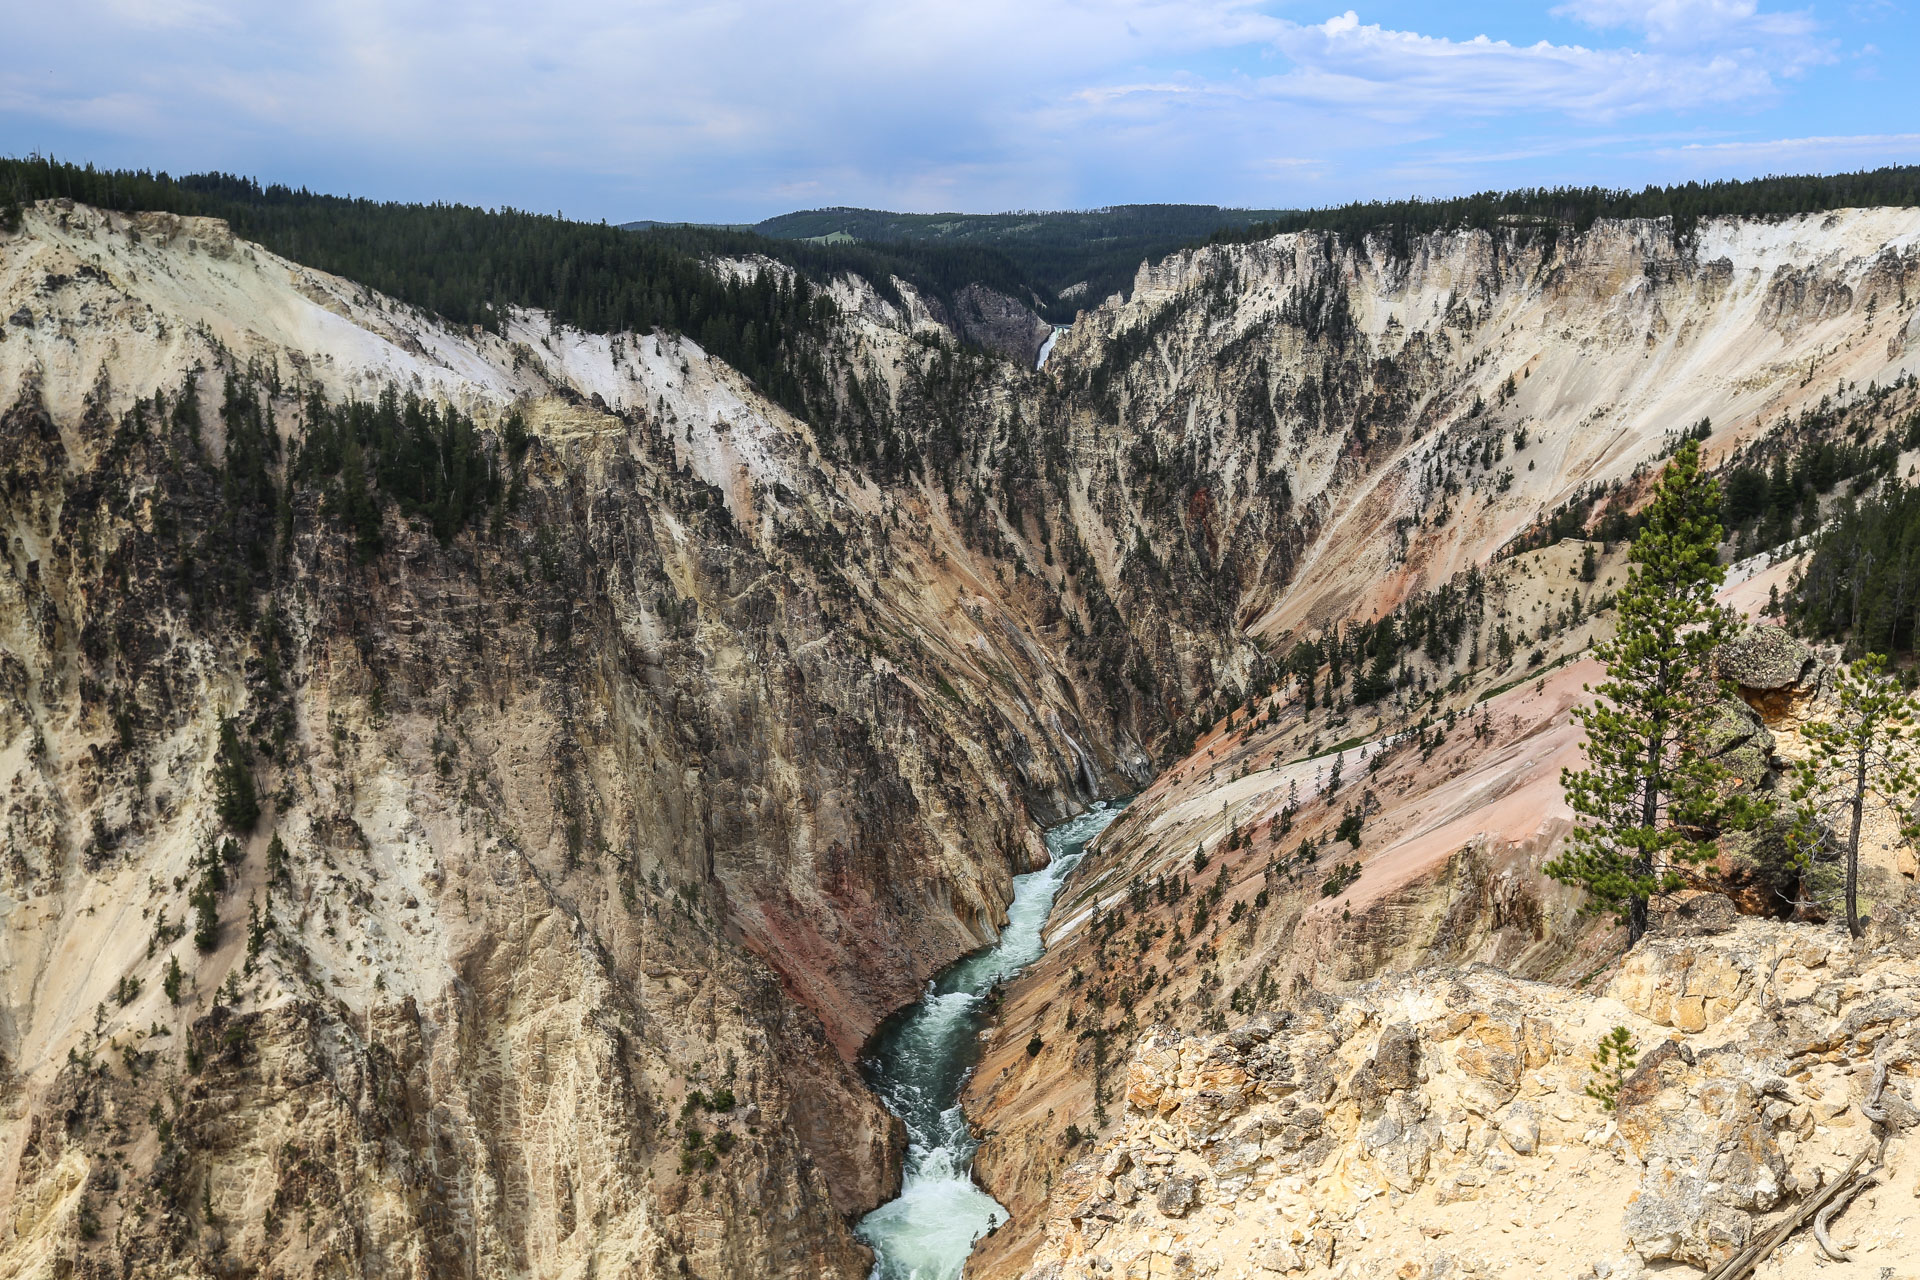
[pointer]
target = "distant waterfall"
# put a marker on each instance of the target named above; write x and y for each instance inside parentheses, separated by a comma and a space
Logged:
(1047, 346)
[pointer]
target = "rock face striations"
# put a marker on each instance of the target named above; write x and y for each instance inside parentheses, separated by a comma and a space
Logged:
(469, 794)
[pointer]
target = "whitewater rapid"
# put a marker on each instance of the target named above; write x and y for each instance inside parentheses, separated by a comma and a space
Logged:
(920, 1059)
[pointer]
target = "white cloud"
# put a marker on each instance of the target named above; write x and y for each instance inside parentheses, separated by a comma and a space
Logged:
(727, 106)
(1868, 150)
(1688, 21)
(1344, 61)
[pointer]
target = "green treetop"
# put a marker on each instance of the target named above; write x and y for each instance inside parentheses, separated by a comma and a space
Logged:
(1649, 802)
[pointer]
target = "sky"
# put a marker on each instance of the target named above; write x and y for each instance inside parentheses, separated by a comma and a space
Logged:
(739, 109)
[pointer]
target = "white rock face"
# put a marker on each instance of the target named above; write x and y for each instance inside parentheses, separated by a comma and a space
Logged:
(1615, 339)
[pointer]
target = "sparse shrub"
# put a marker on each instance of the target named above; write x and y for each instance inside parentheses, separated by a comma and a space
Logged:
(1613, 1060)
(1343, 876)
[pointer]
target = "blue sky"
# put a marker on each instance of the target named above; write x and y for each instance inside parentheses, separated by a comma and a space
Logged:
(745, 108)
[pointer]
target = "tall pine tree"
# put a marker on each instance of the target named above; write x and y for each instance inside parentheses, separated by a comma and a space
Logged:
(1649, 803)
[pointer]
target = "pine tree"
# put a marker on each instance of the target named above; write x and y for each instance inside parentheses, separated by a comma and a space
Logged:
(1613, 1062)
(1872, 747)
(1648, 804)
(206, 917)
(235, 797)
(256, 933)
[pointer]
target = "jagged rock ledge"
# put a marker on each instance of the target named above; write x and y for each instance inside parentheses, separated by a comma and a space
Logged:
(1440, 1124)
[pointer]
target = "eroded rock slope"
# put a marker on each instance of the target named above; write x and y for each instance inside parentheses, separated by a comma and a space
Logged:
(1430, 414)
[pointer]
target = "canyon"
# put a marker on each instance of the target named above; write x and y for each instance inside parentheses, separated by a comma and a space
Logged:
(598, 830)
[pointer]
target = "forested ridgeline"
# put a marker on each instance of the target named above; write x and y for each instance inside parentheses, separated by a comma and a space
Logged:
(1102, 248)
(1551, 209)
(1092, 253)
(471, 264)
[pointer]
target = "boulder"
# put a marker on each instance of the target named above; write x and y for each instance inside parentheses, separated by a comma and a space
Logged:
(1675, 983)
(1280, 1257)
(1765, 658)
(1520, 1126)
(1177, 1197)
(1737, 738)
(1492, 1054)
(1701, 916)
(1711, 1162)
(1400, 1144)
(1396, 1063)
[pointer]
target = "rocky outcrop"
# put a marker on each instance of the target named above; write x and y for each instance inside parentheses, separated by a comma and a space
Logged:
(1774, 673)
(1448, 1124)
(1766, 659)
(992, 320)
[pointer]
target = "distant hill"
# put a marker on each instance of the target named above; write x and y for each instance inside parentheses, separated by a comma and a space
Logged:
(1100, 248)
(1096, 249)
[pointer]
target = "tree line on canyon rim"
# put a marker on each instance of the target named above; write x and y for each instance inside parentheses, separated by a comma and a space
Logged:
(472, 264)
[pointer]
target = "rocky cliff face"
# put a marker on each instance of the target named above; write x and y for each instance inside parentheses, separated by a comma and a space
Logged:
(625, 756)
(1382, 391)
(594, 833)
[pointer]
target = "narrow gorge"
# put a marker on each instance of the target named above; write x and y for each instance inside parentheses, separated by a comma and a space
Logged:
(517, 799)
(920, 1058)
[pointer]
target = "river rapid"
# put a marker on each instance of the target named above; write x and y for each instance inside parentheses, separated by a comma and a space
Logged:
(919, 1059)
